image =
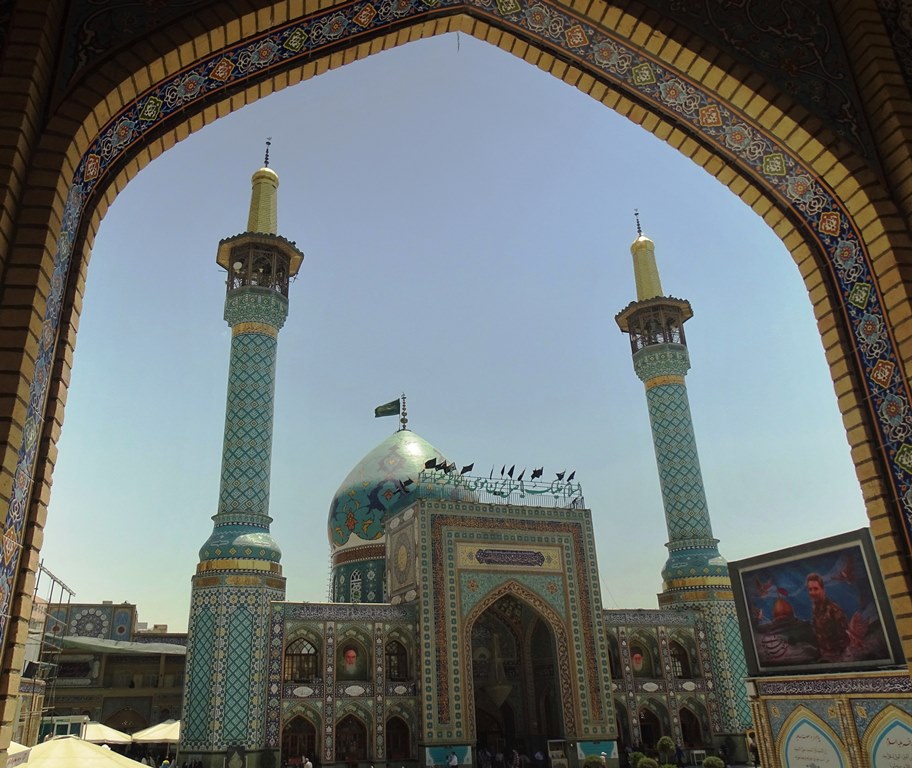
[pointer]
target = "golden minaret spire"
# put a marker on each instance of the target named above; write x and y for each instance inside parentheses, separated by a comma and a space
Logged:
(646, 273)
(263, 199)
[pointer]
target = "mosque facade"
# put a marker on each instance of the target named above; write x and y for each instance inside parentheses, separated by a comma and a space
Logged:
(466, 614)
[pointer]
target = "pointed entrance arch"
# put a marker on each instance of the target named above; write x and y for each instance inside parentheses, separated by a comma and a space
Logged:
(845, 225)
(299, 740)
(520, 670)
(351, 740)
(510, 712)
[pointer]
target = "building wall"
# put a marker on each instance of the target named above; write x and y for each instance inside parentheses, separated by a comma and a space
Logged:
(863, 720)
(657, 685)
(333, 695)
(463, 564)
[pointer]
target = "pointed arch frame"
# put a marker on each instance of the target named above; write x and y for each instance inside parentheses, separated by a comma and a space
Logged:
(880, 723)
(640, 636)
(558, 630)
(848, 238)
(802, 713)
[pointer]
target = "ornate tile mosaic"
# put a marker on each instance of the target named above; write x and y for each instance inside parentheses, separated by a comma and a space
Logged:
(865, 710)
(329, 626)
(835, 686)
(447, 528)
(226, 666)
(825, 709)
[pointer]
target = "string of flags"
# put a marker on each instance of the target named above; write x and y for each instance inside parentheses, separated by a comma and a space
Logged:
(397, 408)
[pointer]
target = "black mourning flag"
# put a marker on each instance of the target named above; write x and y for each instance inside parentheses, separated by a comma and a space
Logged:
(388, 409)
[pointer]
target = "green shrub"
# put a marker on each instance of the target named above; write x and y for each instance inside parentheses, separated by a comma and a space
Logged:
(593, 761)
(635, 758)
(713, 762)
(668, 765)
(665, 747)
(648, 762)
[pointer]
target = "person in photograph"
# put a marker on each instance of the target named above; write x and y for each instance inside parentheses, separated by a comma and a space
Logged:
(829, 620)
(352, 666)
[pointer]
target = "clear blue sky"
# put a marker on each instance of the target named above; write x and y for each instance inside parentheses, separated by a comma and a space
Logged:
(466, 221)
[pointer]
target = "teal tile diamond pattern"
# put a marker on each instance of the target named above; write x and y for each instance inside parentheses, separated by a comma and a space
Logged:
(733, 651)
(728, 663)
(686, 512)
(238, 679)
(226, 662)
(251, 304)
(247, 451)
(200, 645)
(661, 360)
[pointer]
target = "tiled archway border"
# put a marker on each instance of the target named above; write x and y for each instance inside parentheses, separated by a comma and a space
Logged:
(729, 134)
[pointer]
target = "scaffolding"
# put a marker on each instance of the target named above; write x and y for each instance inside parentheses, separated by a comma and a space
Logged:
(51, 600)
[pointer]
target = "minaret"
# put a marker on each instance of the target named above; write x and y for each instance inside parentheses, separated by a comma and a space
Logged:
(239, 571)
(695, 576)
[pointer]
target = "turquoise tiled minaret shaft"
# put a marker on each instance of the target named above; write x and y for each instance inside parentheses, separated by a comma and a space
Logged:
(239, 571)
(695, 575)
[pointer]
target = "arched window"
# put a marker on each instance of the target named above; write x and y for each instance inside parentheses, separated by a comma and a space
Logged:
(355, 586)
(396, 661)
(301, 662)
(650, 727)
(398, 740)
(680, 660)
(299, 740)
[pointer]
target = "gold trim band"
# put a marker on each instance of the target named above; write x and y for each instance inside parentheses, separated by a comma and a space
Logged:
(658, 381)
(266, 330)
(237, 564)
(699, 581)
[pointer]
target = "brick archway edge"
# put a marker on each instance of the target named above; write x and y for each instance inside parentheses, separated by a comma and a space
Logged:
(833, 213)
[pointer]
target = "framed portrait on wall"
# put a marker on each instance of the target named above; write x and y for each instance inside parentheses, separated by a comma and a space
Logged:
(351, 664)
(815, 607)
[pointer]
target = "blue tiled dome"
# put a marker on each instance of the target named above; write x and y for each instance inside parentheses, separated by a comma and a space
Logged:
(373, 490)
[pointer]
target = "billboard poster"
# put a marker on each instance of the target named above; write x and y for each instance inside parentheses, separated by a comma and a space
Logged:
(819, 606)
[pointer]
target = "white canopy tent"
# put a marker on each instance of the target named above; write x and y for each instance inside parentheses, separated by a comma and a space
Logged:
(16, 754)
(73, 752)
(167, 732)
(99, 733)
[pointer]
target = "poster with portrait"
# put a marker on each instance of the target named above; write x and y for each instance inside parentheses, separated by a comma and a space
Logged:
(819, 606)
(351, 664)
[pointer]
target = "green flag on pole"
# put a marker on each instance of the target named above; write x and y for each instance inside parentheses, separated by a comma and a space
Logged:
(387, 409)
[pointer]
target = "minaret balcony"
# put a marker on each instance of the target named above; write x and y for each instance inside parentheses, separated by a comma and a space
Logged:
(259, 260)
(655, 321)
